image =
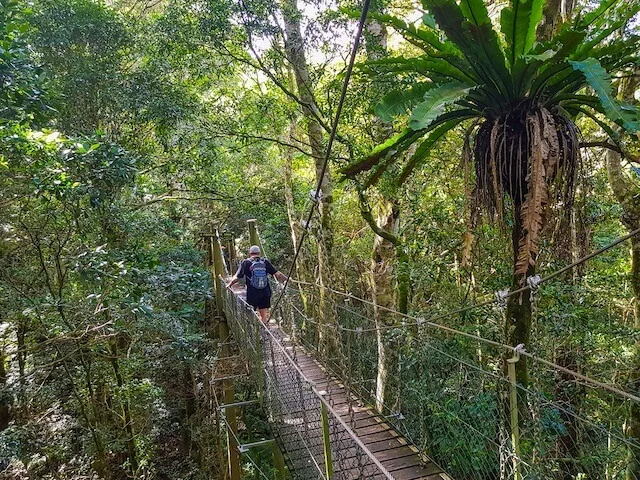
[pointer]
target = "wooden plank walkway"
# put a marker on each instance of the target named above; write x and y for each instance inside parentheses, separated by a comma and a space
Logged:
(396, 454)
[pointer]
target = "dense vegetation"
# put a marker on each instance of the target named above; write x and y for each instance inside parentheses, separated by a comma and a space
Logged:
(482, 142)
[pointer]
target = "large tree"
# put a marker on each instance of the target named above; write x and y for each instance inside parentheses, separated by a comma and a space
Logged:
(523, 98)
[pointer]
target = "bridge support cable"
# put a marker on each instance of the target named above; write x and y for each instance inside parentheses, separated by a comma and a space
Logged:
(422, 322)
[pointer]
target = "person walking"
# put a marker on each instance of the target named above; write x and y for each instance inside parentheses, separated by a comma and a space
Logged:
(256, 270)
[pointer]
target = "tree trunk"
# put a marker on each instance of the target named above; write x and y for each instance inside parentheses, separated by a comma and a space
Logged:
(5, 414)
(294, 45)
(126, 411)
(389, 263)
(288, 189)
(384, 295)
(551, 19)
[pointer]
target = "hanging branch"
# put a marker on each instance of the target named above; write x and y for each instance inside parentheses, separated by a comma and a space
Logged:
(365, 211)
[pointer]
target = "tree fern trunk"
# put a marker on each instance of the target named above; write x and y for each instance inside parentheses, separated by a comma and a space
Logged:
(518, 324)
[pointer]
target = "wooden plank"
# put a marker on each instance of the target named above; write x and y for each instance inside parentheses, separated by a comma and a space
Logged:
(346, 416)
(395, 453)
(314, 376)
(420, 472)
(368, 473)
(376, 437)
(400, 463)
(386, 444)
(381, 427)
(303, 360)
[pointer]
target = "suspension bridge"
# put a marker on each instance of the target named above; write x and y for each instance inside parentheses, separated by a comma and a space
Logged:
(450, 411)
(323, 428)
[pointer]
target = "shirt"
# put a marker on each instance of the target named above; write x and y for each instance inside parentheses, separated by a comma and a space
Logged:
(244, 271)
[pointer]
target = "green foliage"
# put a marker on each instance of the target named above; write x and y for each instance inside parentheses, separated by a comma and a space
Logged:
(162, 129)
(434, 103)
(600, 81)
(518, 23)
(492, 82)
(21, 90)
(400, 101)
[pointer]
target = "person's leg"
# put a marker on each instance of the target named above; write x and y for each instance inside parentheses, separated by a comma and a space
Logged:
(263, 306)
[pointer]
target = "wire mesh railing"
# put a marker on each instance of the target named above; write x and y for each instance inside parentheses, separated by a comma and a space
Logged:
(452, 397)
(317, 442)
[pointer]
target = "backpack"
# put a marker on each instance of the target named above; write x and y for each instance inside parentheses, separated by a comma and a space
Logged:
(258, 271)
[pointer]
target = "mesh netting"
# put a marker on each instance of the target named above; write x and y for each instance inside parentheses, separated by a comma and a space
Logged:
(449, 395)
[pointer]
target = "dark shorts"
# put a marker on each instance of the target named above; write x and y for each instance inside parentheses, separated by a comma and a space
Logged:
(259, 298)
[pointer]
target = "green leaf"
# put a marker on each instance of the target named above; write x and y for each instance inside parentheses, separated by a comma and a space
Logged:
(541, 57)
(597, 14)
(377, 153)
(399, 102)
(475, 11)
(451, 69)
(477, 40)
(518, 23)
(425, 38)
(597, 77)
(425, 147)
(401, 146)
(428, 20)
(434, 103)
(586, 48)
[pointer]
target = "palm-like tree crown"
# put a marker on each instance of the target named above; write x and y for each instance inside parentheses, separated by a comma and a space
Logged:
(524, 96)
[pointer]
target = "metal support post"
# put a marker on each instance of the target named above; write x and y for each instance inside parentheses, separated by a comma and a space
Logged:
(326, 441)
(223, 333)
(209, 245)
(233, 450)
(513, 407)
(278, 462)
